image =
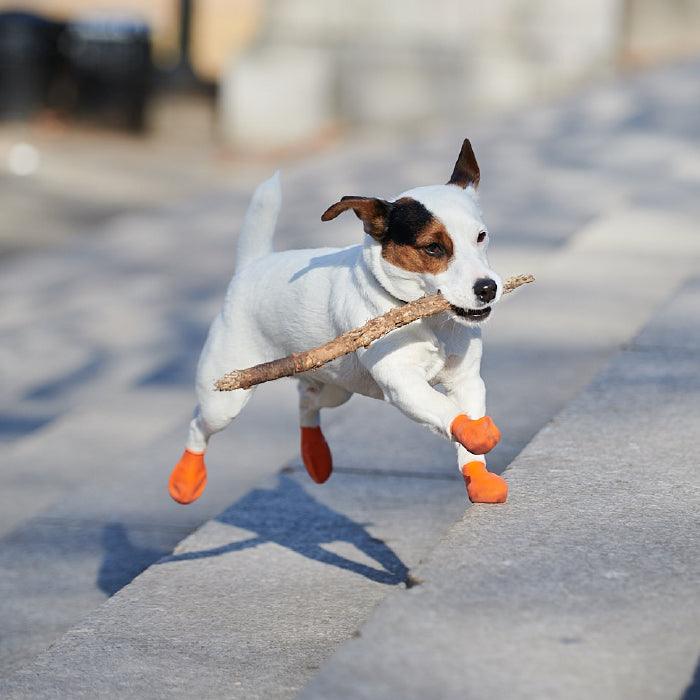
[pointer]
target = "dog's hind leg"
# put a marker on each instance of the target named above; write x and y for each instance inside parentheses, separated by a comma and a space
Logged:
(315, 453)
(214, 412)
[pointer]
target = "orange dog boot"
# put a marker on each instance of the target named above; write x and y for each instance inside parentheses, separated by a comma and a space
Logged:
(189, 478)
(482, 485)
(478, 436)
(316, 454)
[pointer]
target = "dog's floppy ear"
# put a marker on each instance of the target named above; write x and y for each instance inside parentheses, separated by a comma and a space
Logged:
(466, 170)
(373, 212)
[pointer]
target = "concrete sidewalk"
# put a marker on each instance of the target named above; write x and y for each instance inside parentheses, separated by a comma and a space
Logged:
(99, 341)
(254, 602)
(587, 583)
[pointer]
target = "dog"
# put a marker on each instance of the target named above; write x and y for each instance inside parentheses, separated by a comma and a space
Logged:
(425, 240)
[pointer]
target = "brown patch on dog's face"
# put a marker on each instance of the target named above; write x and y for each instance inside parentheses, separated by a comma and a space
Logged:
(412, 237)
(430, 253)
(415, 240)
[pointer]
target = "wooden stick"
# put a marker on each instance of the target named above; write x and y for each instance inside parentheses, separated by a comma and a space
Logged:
(347, 342)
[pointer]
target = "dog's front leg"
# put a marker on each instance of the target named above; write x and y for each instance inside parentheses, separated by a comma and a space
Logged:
(401, 371)
(469, 393)
(407, 388)
(472, 428)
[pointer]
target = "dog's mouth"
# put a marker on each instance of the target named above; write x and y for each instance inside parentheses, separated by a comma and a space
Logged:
(473, 315)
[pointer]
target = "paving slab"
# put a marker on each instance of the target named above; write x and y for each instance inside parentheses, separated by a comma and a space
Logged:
(106, 515)
(587, 582)
(254, 601)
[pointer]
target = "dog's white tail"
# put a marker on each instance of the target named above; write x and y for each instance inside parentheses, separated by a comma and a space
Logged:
(259, 223)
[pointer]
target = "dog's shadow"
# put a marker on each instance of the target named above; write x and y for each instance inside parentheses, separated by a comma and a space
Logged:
(288, 516)
(122, 560)
(336, 259)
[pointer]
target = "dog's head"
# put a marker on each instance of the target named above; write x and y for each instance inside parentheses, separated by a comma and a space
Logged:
(431, 239)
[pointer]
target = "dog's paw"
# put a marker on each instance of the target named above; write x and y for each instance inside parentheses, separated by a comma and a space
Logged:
(478, 436)
(482, 485)
(316, 454)
(188, 479)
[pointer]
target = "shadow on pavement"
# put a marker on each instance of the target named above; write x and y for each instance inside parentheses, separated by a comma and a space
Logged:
(122, 560)
(288, 516)
(14, 425)
(76, 378)
(692, 692)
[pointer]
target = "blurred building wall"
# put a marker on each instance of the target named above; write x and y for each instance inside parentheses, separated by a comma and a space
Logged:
(290, 69)
(221, 30)
(401, 62)
(660, 29)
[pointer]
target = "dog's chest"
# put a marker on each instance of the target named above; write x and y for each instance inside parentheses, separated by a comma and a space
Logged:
(350, 374)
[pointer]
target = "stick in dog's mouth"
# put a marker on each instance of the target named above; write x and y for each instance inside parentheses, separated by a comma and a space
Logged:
(354, 339)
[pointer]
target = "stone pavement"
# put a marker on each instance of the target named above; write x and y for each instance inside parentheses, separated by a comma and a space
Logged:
(254, 602)
(82, 512)
(587, 582)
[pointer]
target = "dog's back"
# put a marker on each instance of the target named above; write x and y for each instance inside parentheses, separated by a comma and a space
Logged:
(292, 300)
(288, 301)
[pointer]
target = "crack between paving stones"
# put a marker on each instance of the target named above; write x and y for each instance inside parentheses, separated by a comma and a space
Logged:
(633, 347)
(358, 471)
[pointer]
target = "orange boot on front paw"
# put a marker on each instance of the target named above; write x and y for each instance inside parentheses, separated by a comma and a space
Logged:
(188, 479)
(478, 436)
(482, 485)
(316, 454)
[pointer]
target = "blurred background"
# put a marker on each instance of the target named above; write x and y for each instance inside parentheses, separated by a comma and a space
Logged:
(216, 82)
(131, 136)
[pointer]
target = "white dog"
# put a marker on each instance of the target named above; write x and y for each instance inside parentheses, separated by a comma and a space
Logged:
(426, 240)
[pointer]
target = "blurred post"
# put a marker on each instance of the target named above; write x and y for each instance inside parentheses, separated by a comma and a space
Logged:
(276, 97)
(28, 54)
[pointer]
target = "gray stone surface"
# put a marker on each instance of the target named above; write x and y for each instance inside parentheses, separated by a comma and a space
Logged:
(127, 520)
(586, 582)
(253, 602)
(674, 326)
(116, 322)
(113, 517)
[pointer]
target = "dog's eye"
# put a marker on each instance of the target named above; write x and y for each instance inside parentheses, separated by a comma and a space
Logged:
(481, 237)
(435, 250)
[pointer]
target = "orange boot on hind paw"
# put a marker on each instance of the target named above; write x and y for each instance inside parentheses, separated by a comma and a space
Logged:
(482, 485)
(189, 478)
(316, 454)
(478, 436)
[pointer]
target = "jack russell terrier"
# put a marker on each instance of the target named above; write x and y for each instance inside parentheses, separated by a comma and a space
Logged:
(426, 240)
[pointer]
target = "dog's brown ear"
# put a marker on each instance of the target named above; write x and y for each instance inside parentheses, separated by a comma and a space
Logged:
(373, 212)
(466, 170)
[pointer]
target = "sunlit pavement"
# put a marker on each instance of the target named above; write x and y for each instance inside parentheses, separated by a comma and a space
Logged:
(101, 335)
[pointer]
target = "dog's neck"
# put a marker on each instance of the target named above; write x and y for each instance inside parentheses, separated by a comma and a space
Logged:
(401, 288)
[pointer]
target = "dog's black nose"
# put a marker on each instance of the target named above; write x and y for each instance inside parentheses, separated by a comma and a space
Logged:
(485, 289)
